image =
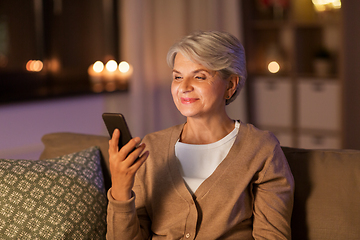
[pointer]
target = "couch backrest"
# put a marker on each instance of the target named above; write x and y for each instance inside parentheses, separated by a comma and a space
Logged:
(327, 185)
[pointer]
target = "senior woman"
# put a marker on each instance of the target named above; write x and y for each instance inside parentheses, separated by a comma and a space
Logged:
(211, 177)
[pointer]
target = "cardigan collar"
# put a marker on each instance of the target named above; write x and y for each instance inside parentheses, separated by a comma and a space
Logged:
(175, 165)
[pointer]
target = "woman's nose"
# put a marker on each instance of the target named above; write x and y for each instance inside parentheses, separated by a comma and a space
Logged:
(186, 85)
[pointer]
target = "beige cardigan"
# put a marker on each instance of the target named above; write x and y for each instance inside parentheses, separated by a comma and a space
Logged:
(250, 194)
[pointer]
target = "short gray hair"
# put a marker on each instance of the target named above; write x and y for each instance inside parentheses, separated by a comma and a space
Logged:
(217, 51)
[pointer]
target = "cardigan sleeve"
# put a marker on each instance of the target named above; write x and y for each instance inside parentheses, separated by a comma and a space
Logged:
(273, 199)
(126, 222)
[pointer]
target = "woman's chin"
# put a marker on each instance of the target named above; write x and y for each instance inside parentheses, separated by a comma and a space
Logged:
(188, 113)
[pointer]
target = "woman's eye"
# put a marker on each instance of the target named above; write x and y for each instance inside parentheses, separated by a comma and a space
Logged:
(177, 78)
(200, 77)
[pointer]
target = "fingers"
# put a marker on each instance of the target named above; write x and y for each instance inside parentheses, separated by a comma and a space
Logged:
(130, 146)
(134, 156)
(127, 149)
(114, 141)
(140, 160)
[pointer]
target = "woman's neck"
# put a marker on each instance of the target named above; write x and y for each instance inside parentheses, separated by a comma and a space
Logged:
(205, 131)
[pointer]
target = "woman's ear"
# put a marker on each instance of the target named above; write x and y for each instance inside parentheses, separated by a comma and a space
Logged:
(233, 82)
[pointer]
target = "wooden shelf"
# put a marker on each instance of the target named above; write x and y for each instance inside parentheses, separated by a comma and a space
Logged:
(296, 39)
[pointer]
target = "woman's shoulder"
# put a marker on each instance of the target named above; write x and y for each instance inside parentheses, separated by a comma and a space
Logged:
(257, 136)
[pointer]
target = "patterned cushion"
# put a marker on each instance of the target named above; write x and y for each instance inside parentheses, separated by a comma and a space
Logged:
(60, 198)
(62, 143)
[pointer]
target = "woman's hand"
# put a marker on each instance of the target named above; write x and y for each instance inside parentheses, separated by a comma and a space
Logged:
(123, 165)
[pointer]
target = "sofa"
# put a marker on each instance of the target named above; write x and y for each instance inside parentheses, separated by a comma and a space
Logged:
(63, 194)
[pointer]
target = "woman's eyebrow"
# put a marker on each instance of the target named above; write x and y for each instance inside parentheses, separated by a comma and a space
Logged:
(210, 72)
(195, 71)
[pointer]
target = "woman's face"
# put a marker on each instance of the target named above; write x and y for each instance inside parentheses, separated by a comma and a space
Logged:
(196, 90)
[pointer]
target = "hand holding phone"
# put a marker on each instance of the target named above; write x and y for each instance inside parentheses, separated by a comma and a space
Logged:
(122, 169)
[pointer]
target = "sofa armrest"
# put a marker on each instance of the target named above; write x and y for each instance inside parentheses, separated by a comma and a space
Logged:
(327, 193)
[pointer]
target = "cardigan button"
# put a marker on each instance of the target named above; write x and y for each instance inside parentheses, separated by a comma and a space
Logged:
(187, 235)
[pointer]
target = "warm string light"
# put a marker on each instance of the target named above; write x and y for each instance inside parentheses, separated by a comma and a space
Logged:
(109, 76)
(124, 67)
(98, 66)
(274, 59)
(324, 5)
(274, 67)
(34, 66)
(111, 66)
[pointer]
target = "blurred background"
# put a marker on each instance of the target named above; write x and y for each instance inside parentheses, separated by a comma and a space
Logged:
(63, 63)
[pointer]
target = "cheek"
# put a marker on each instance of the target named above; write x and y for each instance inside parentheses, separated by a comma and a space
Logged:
(222, 88)
(173, 90)
(217, 90)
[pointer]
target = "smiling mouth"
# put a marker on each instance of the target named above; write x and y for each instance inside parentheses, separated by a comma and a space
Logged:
(188, 100)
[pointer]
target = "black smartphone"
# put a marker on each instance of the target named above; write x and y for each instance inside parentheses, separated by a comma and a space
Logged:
(117, 121)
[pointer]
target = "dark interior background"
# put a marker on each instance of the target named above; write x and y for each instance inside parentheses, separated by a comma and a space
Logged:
(68, 36)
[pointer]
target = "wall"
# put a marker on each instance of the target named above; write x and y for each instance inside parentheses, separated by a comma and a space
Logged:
(22, 125)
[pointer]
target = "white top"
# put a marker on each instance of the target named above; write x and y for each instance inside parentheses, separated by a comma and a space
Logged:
(199, 161)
